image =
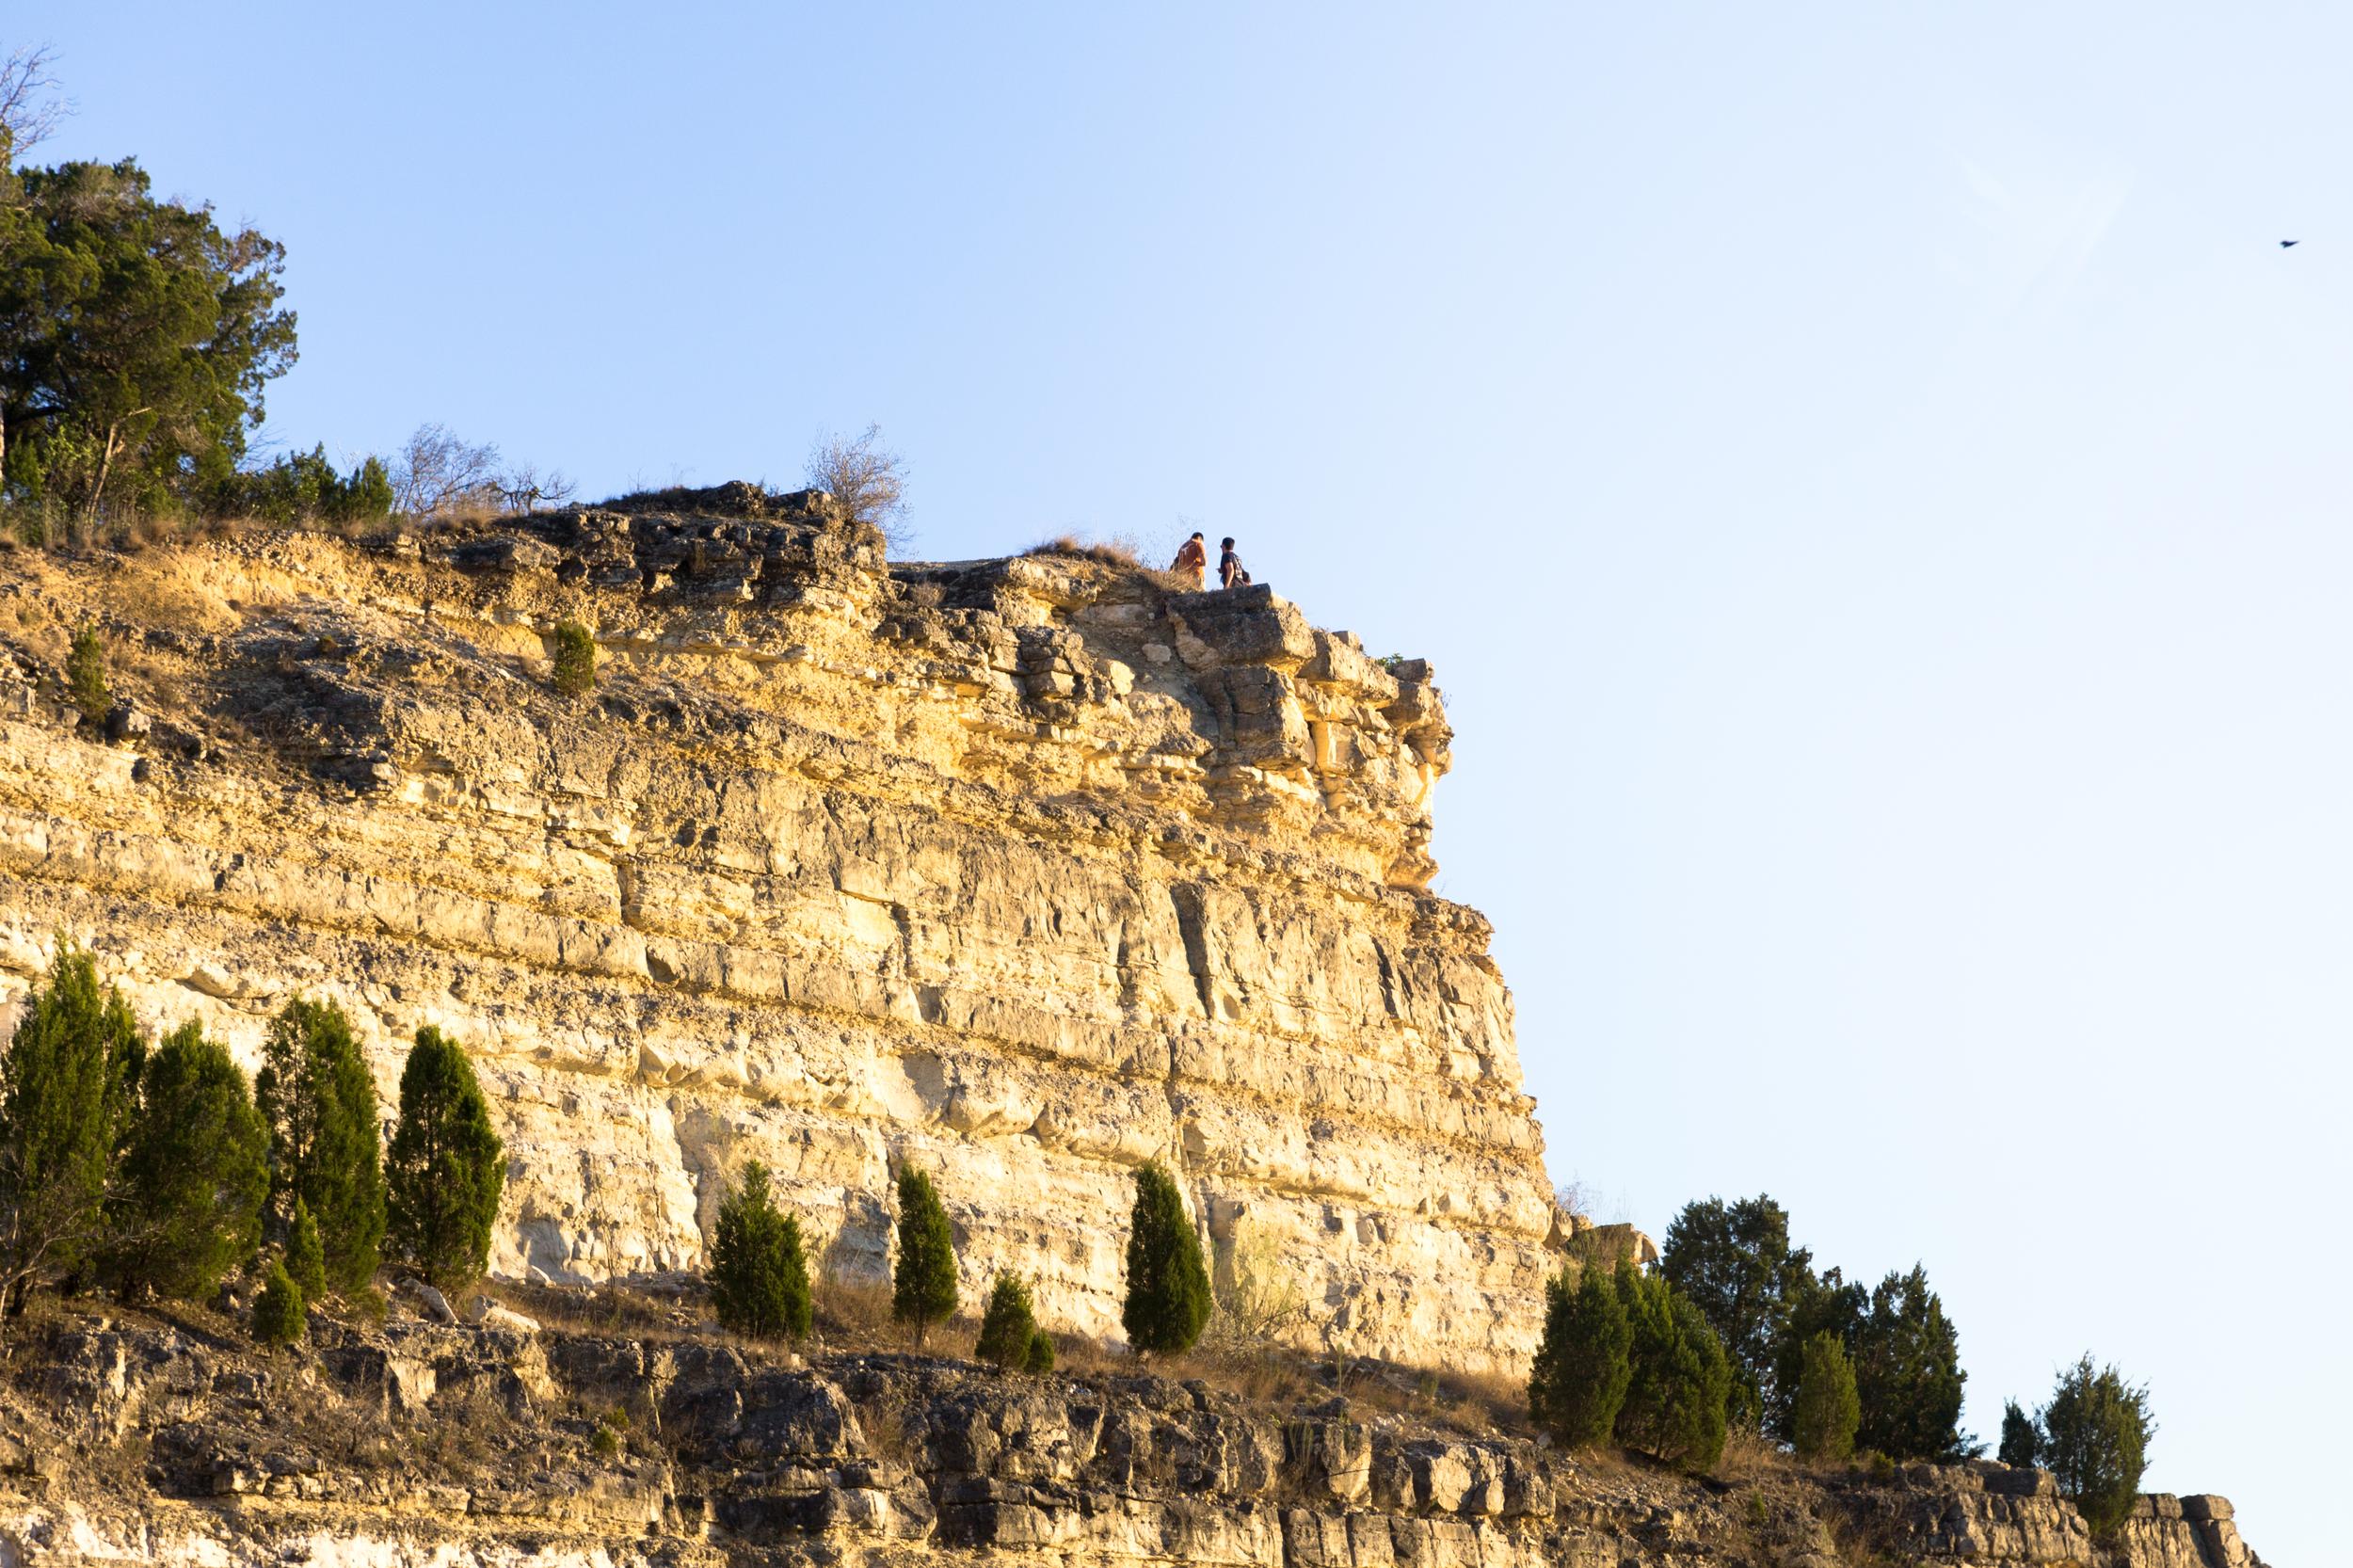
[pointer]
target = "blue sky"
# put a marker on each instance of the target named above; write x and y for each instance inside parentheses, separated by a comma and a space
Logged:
(1871, 484)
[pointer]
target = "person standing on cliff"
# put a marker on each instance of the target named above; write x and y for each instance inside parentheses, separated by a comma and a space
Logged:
(1229, 572)
(1192, 559)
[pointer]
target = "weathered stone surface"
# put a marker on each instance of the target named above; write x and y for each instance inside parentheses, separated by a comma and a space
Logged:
(486, 1453)
(1028, 870)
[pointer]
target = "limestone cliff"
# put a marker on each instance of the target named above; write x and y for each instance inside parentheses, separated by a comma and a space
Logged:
(1027, 870)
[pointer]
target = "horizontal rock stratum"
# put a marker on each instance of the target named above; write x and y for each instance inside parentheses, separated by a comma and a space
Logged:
(1027, 871)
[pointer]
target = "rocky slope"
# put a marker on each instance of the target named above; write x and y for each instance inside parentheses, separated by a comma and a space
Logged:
(1026, 870)
(171, 1442)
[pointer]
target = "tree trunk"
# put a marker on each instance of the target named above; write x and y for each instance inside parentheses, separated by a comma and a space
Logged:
(105, 463)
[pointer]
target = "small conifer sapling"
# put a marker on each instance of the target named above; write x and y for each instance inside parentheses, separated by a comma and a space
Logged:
(1168, 1280)
(758, 1269)
(575, 659)
(1827, 1408)
(306, 1259)
(278, 1310)
(1009, 1326)
(923, 1279)
(86, 677)
(1579, 1377)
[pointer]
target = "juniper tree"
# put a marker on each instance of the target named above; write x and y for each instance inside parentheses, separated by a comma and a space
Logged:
(446, 1166)
(758, 1270)
(1908, 1371)
(1676, 1401)
(575, 659)
(306, 1259)
(1009, 1326)
(278, 1310)
(2019, 1439)
(1734, 1263)
(923, 1280)
(1041, 1357)
(1826, 1409)
(66, 1082)
(195, 1169)
(317, 1095)
(85, 676)
(1168, 1282)
(2094, 1438)
(1578, 1380)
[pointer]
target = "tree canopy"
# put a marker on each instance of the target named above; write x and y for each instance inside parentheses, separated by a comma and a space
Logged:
(136, 338)
(1734, 1263)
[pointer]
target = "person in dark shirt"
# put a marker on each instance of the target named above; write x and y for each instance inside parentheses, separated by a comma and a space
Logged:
(1192, 560)
(1229, 571)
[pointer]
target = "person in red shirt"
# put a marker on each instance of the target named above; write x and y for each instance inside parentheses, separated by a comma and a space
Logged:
(1192, 560)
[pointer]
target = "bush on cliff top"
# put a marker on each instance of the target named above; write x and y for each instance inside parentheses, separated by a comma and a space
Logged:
(315, 1092)
(66, 1083)
(194, 1172)
(445, 1168)
(923, 1280)
(2094, 1437)
(1578, 1380)
(1168, 1282)
(759, 1271)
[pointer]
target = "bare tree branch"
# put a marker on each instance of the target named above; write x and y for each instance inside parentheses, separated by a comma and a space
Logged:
(866, 479)
(29, 112)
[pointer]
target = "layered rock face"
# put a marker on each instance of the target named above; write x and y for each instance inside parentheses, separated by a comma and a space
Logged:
(456, 1448)
(1028, 870)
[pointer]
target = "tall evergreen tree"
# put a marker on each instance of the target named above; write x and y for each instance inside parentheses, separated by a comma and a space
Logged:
(1168, 1280)
(66, 1087)
(1578, 1380)
(923, 1283)
(194, 1173)
(1734, 1263)
(446, 1167)
(2019, 1439)
(315, 1094)
(1827, 1410)
(1819, 1305)
(2094, 1436)
(1908, 1371)
(758, 1269)
(1676, 1400)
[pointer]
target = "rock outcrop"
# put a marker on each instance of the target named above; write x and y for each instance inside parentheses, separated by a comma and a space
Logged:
(1026, 870)
(468, 1447)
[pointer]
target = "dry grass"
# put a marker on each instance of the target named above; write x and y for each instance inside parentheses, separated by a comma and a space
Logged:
(1119, 551)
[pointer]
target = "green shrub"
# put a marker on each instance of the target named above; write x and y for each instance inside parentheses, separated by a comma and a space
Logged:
(759, 1271)
(575, 659)
(1908, 1372)
(86, 677)
(2018, 1436)
(1579, 1380)
(2094, 1438)
(1041, 1357)
(306, 1259)
(446, 1166)
(1009, 1327)
(320, 1103)
(923, 1280)
(66, 1087)
(1168, 1282)
(278, 1310)
(1676, 1401)
(1827, 1409)
(193, 1175)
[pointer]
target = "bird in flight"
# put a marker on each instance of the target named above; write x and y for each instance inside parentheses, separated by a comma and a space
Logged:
(2284, 244)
